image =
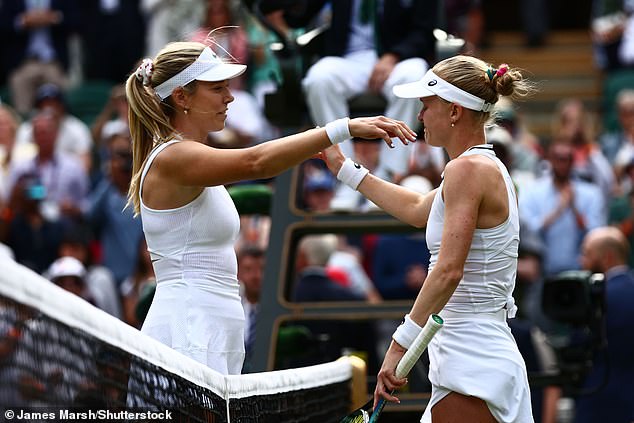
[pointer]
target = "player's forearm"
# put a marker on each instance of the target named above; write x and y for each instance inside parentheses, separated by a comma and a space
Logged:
(405, 205)
(435, 293)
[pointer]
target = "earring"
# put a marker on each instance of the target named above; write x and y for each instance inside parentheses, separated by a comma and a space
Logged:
(453, 124)
(185, 111)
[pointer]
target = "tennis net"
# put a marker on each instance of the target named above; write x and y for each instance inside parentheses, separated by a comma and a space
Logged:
(60, 357)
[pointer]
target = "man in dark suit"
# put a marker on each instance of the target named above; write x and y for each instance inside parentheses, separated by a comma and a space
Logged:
(35, 36)
(605, 250)
(371, 45)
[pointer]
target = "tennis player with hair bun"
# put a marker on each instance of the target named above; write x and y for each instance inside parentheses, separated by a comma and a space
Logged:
(476, 370)
(189, 220)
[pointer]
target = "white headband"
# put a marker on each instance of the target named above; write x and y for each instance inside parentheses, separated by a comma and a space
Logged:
(207, 67)
(432, 84)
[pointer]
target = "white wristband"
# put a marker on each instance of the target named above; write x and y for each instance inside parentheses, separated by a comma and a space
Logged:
(352, 173)
(338, 130)
(406, 332)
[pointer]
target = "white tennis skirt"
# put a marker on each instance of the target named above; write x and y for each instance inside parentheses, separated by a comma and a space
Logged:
(476, 355)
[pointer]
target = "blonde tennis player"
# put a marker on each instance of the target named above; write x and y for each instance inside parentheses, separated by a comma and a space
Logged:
(189, 220)
(476, 371)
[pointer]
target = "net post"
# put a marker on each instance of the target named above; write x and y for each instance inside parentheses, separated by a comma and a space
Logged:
(359, 381)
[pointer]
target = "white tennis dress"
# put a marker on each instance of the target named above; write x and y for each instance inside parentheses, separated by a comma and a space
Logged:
(196, 308)
(475, 353)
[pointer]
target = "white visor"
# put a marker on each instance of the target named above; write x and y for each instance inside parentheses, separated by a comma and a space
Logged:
(207, 67)
(431, 84)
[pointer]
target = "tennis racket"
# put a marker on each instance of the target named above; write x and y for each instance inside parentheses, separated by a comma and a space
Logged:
(365, 414)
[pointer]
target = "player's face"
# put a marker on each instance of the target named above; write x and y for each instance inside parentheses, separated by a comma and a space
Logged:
(210, 104)
(435, 119)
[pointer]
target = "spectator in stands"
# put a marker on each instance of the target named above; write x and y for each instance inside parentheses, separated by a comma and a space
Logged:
(426, 161)
(507, 150)
(609, 22)
(605, 250)
(562, 209)
(170, 21)
(35, 35)
(250, 276)
(63, 177)
(527, 149)
(32, 235)
(400, 265)
(114, 224)
(318, 189)
(622, 208)
(108, 55)
(114, 112)
(619, 146)
(345, 266)
(9, 122)
(574, 126)
(465, 19)
(76, 242)
(73, 136)
(364, 52)
(68, 273)
(175, 100)
(313, 284)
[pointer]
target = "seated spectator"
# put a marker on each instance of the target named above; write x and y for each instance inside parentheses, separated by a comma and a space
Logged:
(574, 126)
(35, 37)
(32, 235)
(313, 283)
(114, 112)
(561, 209)
(368, 154)
(68, 273)
(73, 137)
(76, 242)
(318, 189)
(62, 176)
(9, 122)
(170, 21)
(113, 223)
(619, 146)
(364, 53)
(110, 57)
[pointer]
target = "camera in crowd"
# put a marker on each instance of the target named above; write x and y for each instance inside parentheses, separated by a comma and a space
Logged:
(575, 303)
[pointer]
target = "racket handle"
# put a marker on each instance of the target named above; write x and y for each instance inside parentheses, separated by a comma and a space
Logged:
(411, 356)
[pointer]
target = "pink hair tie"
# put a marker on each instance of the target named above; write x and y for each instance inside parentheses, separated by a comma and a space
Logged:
(502, 69)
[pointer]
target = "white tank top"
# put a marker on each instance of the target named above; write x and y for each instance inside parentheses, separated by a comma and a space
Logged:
(489, 271)
(193, 243)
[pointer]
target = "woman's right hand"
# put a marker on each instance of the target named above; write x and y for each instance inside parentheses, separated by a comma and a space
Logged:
(381, 127)
(386, 380)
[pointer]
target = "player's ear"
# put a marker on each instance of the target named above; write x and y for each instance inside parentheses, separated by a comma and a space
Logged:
(180, 98)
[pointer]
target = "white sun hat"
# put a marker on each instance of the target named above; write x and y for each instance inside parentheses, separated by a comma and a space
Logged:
(207, 67)
(432, 84)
